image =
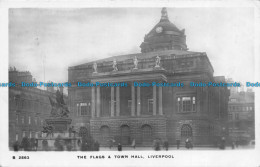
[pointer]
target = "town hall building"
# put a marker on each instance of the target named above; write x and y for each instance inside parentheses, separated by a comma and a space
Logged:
(127, 112)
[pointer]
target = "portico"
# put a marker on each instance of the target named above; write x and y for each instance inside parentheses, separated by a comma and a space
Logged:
(135, 101)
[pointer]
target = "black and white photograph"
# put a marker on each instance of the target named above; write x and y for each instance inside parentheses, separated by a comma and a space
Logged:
(127, 83)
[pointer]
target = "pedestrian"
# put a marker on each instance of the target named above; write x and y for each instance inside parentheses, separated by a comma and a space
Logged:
(178, 143)
(233, 145)
(166, 145)
(119, 147)
(45, 146)
(36, 144)
(223, 143)
(110, 143)
(133, 143)
(237, 144)
(16, 146)
(187, 143)
(96, 146)
(157, 145)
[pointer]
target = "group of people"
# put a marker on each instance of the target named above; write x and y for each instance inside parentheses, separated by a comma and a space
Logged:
(88, 145)
(27, 144)
(157, 144)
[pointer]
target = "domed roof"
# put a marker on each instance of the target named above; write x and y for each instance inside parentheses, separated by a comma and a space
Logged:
(164, 36)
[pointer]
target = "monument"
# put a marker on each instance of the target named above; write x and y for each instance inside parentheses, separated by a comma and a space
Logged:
(57, 133)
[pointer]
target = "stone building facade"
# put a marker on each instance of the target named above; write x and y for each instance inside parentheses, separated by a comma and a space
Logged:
(146, 113)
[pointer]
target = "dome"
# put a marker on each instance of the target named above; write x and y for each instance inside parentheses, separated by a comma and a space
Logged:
(164, 36)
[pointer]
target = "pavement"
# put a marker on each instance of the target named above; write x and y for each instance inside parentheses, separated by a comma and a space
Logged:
(173, 148)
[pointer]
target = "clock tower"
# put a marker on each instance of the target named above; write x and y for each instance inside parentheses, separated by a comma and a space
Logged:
(164, 36)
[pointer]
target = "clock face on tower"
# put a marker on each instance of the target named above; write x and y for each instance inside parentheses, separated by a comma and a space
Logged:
(159, 29)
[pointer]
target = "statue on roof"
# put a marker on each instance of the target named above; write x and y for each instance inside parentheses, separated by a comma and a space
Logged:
(115, 66)
(157, 61)
(135, 63)
(95, 67)
(164, 14)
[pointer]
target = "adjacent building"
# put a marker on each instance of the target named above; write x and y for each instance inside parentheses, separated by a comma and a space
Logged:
(28, 107)
(127, 113)
(241, 114)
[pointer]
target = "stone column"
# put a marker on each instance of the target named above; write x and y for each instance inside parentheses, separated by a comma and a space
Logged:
(160, 101)
(138, 101)
(112, 102)
(133, 100)
(93, 102)
(98, 101)
(117, 101)
(154, 100)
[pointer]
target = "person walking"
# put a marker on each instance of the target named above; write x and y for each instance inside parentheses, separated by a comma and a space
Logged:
(178, 143)
(133, 143)
(119, 147)
(16, 146)
(166, 145)
(187, 143)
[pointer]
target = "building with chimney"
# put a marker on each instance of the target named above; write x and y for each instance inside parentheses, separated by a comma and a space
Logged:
(148, 113)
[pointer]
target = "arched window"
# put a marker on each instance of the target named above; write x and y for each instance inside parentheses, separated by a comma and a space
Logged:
(83, 132)
(147, 134)
(105, 134)
(186, 130)
(125, 134)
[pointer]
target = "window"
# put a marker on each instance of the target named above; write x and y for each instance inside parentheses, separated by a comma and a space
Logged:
(22, 120)
(23, 133)
(150, 105)
(250, 108)
(186, 104)
(16, 137)
(17, 119)
(233, 100)
(230, 116)
(237, 116)
(29, 120)
(30, 134)
(186, 130)
(129, 105)
(83, 109)
(35, 120)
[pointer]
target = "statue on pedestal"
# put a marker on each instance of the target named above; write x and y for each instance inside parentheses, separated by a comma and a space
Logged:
(59, 108)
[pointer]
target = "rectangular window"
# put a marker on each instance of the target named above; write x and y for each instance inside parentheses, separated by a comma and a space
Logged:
(84, 109)
(150, 105)
(237, 116)
(35, 120)
(230, 116)
(23, 133)
(78, 109)
(29, 120)
(17, 119)
(16, 137)
(129, 105)
(22, 120)
(186, 104)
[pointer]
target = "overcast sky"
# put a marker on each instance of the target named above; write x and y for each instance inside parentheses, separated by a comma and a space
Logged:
(67, 37)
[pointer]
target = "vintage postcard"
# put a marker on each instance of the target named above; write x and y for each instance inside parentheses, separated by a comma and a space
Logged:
(130, 83)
